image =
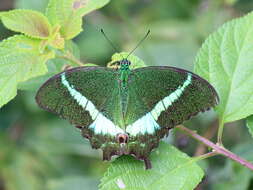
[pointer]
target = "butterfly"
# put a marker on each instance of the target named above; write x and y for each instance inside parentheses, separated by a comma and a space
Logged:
(126, 111)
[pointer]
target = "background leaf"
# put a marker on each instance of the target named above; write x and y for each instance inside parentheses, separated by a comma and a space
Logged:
(91, 5)
(20, 60)
(225, 60)
(31, 23)
(172, 169)
(54, 66)
(68, 14)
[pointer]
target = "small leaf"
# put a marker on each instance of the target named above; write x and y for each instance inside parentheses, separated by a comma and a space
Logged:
(54, 66)
(172, 169)
(90, 65)
(225, 60)
(87, 6)
(68, 14)
(28, 22)
(20, 60)
(135, 61)
(249, 123)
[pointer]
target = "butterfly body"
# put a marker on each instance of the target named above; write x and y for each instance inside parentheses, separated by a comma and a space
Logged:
(124, 73)
(124, 111)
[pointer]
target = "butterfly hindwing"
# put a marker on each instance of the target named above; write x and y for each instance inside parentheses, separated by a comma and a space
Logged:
(167, 96)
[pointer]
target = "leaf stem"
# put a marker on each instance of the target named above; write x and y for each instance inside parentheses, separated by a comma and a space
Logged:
(220, 132)
(68, 56)
(207, 155)
(216, 147)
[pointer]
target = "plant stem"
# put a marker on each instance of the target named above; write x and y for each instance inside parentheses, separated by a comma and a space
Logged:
(217, 148)
(204, 156)
(220, 132)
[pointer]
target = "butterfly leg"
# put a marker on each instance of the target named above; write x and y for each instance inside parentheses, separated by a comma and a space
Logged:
(79, 127)
(147, 163)
(106, 156)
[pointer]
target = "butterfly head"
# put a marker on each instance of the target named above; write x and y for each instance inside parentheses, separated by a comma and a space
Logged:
(124, 64)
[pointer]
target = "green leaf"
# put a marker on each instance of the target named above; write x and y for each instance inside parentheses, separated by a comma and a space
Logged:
(88, 6)
(20, 60)
(28, 22)
(54, 66)
(56, 40)
(172, 169)
(90, 65)
(135, 61)
(249, 123)
(225, 60)
(68, 14)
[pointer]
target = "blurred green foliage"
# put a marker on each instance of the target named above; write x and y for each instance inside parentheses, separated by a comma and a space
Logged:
(40, 151)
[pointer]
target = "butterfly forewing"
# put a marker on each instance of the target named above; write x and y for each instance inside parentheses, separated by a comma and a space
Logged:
(167, 96)
(79, 94)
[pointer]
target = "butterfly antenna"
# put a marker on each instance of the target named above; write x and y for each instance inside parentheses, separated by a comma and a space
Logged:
(144, 38)
(110, 42)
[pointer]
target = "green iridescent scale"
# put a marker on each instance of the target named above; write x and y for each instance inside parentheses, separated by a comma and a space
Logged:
(125, 111)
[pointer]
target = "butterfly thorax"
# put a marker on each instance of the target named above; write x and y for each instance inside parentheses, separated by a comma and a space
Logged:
(124, 73)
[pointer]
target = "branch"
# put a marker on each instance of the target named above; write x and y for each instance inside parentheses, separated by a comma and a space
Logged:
(217, 148)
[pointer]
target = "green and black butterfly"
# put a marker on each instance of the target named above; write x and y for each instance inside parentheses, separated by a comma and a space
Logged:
(124, 111)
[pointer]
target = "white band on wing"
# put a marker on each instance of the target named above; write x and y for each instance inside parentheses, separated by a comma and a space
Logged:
(147, 124)
(100, 125)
